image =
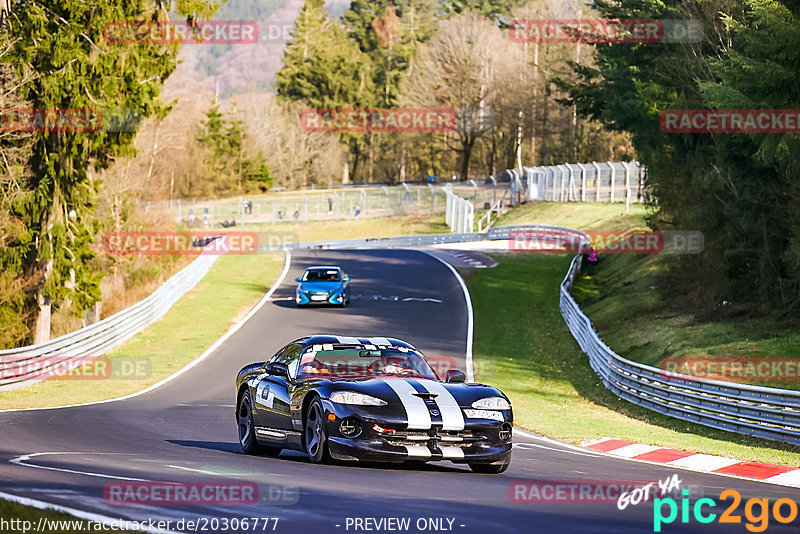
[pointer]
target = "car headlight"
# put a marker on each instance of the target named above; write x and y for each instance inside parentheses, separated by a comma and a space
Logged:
(491, 403)
(351, 397)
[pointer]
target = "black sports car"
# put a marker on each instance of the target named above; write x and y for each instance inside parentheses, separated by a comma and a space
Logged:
(370, 399)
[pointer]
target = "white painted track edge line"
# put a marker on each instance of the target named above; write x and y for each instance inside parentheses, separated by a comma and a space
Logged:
(470, 319)
(232, 330)
(88, 516)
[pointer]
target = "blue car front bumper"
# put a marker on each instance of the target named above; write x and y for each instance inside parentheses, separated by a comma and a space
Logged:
(306, 298)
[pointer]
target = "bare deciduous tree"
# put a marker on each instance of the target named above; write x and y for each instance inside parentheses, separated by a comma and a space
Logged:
(460, 69)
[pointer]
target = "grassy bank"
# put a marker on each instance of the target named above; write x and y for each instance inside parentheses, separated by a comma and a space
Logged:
(232, 286)
(523, 346)
(350, 229)
(581, 215)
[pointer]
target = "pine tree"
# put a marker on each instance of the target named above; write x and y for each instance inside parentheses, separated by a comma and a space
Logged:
(64, 43)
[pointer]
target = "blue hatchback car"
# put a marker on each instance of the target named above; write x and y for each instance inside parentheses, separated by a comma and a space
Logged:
(323, 284)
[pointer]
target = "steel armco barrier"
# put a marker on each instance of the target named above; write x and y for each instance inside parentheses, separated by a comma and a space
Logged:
(459, 212)
(761, 412)
(33, 363)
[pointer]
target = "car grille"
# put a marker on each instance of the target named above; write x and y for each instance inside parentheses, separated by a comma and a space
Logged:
(463, 438)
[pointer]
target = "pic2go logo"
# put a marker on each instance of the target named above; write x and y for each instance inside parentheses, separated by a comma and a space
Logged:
(758, 521)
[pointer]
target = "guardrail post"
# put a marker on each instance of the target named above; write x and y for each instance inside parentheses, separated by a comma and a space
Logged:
(494, 189)
(639, 171)
(597, 173)
(613, 179)
(512, 188)
(627, 167)
(433, 192)
(448, 202)
(475, 190)
(561, 175)
(571, 182)
(583, 182)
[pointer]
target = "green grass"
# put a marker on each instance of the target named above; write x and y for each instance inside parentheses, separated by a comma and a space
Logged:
(523, 346)
(350, 229)
(581, 215)
(232, 286)
(13, 511)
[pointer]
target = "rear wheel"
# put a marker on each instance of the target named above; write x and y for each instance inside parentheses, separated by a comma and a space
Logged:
(247, 434)
(315, 436)
(490, 469)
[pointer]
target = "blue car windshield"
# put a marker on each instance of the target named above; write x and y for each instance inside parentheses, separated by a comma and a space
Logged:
(321, 275)
(361, 362)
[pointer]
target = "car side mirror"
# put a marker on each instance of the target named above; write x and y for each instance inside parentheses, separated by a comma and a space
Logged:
(454, 375)
(277, 369)
(297, 279)
(346, 278)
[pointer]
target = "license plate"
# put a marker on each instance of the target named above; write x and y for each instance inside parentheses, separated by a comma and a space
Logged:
(484, 414)
(319, 297)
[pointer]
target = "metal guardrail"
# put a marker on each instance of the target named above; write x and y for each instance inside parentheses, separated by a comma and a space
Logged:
(757, 411)
(27, 365)
(459, 212)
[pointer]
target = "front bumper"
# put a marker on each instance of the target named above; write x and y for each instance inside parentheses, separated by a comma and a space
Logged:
(304, 299)
(481, 440)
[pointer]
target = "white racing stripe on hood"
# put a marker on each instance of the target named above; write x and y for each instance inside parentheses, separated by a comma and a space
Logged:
(416, 411)
(452, 417)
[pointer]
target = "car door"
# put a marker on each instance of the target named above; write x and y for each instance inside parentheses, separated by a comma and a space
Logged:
(272, 392)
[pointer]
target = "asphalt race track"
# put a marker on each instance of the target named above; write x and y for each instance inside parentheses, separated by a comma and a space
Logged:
(186, 431)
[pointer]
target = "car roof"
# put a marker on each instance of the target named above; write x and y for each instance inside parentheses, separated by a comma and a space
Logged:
(323, 267)
(344, 341)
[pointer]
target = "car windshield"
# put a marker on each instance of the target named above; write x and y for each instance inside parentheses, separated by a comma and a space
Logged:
(363, 362)
(321, 275)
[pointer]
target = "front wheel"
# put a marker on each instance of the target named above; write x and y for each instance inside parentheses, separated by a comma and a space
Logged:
(490, 469)
(315, 436)
(247, 435)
